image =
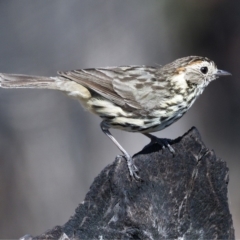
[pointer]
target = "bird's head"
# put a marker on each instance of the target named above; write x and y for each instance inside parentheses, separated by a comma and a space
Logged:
(198, 71)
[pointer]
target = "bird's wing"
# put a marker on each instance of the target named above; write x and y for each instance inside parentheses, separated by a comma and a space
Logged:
(142, 86)
(96, 80)
(134, 86)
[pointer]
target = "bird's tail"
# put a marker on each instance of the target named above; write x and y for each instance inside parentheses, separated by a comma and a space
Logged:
(63, 84)
(25, 81)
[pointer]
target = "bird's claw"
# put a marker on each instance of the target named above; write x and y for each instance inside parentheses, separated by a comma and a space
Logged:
(133, 170)
(164, 142)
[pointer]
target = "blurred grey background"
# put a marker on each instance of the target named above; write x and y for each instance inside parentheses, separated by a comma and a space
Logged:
(50, 148)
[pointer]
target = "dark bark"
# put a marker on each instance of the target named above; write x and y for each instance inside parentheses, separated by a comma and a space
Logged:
(179, 197)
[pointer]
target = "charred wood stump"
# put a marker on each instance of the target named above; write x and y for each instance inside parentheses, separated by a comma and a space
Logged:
(181, 196)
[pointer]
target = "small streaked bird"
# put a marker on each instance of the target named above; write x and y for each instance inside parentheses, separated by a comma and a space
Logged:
(140, 99)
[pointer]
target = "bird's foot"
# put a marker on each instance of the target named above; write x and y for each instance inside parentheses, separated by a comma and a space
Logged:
(164, 142)
(133, 170)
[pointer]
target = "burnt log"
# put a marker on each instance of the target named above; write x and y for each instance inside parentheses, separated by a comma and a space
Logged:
(180, 196)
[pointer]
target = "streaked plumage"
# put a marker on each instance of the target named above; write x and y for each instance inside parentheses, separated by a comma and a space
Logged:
(132, 98)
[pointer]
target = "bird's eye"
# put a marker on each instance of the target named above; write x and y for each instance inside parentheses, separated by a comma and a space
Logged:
(204, 70)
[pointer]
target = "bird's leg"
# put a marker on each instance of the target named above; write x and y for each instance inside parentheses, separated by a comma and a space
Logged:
(164, 142)
(132, 168)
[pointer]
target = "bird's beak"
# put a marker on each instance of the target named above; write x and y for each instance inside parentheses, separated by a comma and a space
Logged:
(221, 73)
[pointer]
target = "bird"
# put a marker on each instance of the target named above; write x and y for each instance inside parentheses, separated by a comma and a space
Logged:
(143, 99)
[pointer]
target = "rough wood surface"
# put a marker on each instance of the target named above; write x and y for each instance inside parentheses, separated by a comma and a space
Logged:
(179, 197)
